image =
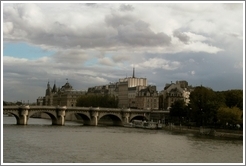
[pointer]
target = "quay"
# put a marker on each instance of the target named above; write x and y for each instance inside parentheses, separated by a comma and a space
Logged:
(206, 132)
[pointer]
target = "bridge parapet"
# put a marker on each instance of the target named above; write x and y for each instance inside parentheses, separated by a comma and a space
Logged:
(89, 115)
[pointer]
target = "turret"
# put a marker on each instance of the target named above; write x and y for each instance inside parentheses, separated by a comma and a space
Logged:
(48, 90)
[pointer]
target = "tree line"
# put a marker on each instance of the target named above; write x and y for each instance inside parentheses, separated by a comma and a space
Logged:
(97, 101)
(222, 109)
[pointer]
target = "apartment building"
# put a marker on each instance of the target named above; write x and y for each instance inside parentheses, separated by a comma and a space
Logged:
(176, 91)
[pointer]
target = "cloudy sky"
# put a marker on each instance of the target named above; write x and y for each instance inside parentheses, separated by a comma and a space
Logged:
(94, 44)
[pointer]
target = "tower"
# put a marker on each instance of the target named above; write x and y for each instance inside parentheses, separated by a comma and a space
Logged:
(48, 90)
(133, 74)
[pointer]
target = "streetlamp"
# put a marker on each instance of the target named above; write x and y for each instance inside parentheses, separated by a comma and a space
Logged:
(189, 125)
(202, 116)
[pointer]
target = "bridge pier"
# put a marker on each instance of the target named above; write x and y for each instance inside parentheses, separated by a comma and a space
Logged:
(23, 115)
(60, 112)
(125, 116)
(94, 119)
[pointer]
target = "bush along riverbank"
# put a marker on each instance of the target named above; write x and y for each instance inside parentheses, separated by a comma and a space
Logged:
(203, 131)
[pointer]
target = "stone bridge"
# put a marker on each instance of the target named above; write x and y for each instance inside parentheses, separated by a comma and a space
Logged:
(89, 115)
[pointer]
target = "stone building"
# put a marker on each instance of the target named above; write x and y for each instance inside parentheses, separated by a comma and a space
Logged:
(134, 81)
(132, 95)
(98, 90)
(127, 92)
(128, 89)
(148, 98)
(64, 96)
(123, 95)
(113, 89)
(110, 89)
(173, 92)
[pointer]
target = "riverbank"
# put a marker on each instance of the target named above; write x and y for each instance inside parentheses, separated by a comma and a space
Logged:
(216, 133)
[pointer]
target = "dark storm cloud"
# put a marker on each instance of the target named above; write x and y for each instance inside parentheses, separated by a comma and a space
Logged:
(128, 7)
(139, 34)
(70, 56)
(115, 20)
(181, 36)
(135, 32)
(123, 30)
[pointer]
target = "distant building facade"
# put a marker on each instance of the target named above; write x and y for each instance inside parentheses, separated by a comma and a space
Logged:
(98, 90)
(148, 98)
(64, 96)
(128, 90)
(173, 92)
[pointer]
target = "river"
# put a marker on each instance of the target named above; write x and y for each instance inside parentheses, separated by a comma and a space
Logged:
(40, 142)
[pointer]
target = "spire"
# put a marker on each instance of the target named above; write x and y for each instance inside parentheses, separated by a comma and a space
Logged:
(48, 90)
(133, 74)
(54, 90)
(48, 85)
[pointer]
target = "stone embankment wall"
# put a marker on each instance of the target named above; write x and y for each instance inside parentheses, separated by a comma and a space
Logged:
(218, 133)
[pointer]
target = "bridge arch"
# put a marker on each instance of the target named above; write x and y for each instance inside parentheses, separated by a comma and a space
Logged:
(138, 117)
(115, 119)
(80, 116)
(51, 114)
(17, 118)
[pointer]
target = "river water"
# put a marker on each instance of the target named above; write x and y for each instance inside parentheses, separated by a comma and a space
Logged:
(40, 142)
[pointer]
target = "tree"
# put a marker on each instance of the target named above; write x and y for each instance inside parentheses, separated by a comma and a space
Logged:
(231, 116)
(97, 101)
(178, 110)
(204, 105)
(234, 98)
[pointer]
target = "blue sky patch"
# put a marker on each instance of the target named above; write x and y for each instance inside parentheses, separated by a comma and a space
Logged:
(91, 62)
(24, 50)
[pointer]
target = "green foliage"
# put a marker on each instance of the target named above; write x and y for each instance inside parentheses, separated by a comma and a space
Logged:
(5, 103)
(178, 110)
(229, 115)
(234, 98)
(97, 101)
(204, 105)
(209, 108)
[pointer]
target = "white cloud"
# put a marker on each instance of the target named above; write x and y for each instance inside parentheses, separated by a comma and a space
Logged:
(92, 80)
(201, 47)
(160, 63)
(97, 43)
(72, 56)
(238, 65)
(106, 61)
(196, 37)
(7, 28)
(193, 72)
(121, 57)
